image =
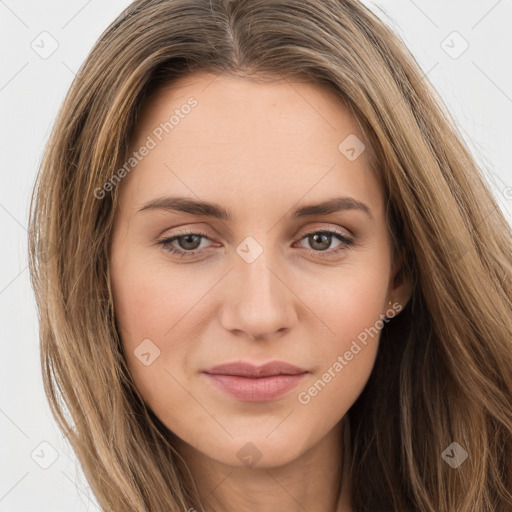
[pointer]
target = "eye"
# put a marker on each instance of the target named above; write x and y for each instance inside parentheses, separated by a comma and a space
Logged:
(190, 243)
(321, 239)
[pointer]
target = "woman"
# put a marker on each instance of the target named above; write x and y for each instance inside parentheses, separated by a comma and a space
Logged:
(199, 348)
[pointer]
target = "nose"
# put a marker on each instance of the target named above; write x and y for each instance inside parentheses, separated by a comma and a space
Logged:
(258, 301)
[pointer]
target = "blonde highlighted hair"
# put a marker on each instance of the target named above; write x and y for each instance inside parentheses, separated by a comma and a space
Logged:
(443, 372)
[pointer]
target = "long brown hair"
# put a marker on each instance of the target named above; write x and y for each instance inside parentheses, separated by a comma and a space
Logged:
(443, 373)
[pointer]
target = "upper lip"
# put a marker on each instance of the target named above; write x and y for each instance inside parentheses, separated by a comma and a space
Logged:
(245, 369)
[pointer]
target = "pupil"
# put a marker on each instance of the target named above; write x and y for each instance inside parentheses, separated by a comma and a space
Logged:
(321, 236)
(187, 239)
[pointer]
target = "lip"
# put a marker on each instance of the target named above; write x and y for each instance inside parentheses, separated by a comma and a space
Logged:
(246, 369)
(251, 383)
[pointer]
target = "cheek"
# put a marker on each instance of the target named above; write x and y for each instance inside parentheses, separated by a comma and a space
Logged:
(351, 306)
(347, 363)
(144, 312)
(348, 301)
(149, 304)
(155, 312)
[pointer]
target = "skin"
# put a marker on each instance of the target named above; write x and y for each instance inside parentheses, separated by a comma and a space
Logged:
(259, 151)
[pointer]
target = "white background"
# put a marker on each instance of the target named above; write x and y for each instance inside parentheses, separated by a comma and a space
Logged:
(477, 87)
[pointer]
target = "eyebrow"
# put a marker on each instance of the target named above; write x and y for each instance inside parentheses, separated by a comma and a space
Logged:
(205, 208)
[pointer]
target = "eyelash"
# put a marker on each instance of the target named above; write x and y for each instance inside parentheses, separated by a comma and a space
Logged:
(347, 242)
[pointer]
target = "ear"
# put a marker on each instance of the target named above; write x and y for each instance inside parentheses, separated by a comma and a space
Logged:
(400, 284)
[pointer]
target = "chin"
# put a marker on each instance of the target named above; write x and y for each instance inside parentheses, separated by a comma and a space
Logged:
(259, 451)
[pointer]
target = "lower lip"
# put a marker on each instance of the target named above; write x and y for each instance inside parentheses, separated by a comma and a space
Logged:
(255, 390)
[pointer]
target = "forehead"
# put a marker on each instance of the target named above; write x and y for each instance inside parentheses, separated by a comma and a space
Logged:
(213, 136)
(282, 106)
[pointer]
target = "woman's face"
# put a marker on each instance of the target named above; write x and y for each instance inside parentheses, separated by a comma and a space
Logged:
(254, 280)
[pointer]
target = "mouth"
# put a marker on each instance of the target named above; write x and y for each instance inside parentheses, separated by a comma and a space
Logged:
(251, 383)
